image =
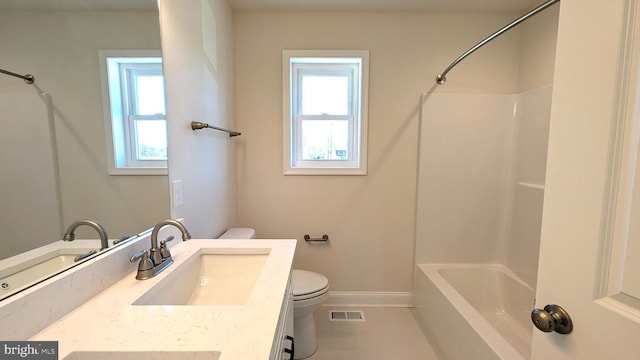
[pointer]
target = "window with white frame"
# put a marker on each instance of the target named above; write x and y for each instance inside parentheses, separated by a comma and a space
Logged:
(135, 123)
(325, 103)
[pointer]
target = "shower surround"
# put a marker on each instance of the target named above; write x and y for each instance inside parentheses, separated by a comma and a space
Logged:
(480, 188)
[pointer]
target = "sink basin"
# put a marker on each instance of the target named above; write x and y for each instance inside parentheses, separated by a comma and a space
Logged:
(213, 276)
(142, 355)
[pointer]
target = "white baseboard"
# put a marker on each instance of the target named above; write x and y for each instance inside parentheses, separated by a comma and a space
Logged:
(370, 298)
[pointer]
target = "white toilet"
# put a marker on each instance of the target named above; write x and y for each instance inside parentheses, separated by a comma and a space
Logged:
(310, 290)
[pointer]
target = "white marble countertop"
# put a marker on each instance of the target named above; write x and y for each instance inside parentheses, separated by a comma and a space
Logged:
(109, 322)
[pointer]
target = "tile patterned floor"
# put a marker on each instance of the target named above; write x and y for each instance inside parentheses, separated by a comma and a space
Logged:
(386, 334)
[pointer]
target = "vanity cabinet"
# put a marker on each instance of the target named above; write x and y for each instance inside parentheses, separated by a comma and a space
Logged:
(283, 343)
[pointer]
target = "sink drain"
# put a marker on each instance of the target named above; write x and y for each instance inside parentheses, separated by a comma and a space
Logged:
(5, 285)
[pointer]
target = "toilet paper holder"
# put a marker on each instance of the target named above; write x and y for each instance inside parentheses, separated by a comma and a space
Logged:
(324, 237)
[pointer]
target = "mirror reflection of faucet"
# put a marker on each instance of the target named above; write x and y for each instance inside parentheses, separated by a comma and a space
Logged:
(85, 255)
(156, 259)
(118, 241)
(69, 235)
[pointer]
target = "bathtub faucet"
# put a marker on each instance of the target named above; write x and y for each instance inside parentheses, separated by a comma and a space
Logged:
(70, 234)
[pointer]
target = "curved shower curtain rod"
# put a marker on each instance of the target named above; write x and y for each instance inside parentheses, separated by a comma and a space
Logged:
(28, 78)
(442, 78)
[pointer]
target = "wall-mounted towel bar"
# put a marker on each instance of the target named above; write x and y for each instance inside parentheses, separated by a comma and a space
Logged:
(196, 125)
(324, 237)
(28, 78)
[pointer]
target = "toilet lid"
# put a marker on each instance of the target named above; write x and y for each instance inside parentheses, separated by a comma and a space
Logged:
(306, 282)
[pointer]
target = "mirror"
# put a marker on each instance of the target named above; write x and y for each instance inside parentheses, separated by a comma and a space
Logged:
(54, 159)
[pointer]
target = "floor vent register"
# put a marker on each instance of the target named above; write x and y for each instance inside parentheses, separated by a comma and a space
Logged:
(339, 315)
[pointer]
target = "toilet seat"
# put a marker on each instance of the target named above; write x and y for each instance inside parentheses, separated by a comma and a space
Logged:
(307, 284)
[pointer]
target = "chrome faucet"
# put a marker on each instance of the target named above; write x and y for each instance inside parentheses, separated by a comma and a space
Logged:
(155, 260)
(70, 234)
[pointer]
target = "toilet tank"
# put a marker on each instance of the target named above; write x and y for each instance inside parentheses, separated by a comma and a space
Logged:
(239, 233)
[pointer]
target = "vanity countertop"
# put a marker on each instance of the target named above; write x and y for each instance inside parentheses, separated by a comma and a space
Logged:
(109, 322)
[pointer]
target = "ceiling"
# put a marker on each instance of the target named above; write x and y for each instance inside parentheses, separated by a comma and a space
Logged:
(387, 5)
(79, 4)
(326, 5)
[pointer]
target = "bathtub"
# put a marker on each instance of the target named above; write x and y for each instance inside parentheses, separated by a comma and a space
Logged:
(474, 311)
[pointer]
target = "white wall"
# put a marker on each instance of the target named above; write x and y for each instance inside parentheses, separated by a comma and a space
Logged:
(538, 49)
(370, 219)
(464, 177)
(61, 50)
(197, 44)
(29, 181)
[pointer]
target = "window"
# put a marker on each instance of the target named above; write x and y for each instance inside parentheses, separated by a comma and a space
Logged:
(134, 103)
(325, 102)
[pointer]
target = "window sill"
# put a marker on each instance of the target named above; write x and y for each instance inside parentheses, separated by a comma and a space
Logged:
(325, 172)
(139, 171)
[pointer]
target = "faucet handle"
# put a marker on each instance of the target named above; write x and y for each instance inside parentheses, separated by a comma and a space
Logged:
(145, 260)
(137, 256)
(164, 250)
